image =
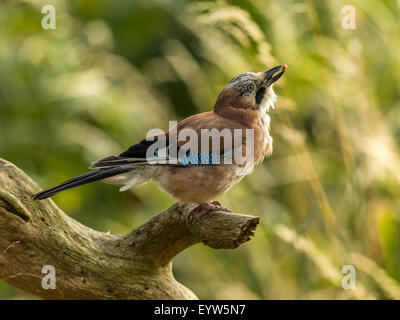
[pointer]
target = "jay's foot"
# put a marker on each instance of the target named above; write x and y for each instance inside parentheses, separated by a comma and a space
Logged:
(206, 207)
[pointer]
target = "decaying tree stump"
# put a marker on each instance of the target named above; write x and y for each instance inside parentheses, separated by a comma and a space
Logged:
(95, 265)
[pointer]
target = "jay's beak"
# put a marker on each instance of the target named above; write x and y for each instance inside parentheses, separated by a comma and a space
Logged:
(271, 76)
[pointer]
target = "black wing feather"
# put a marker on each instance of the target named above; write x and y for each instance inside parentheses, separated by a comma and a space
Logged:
(138, 150)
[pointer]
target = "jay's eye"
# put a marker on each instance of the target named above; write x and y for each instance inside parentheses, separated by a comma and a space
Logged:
(250, 87)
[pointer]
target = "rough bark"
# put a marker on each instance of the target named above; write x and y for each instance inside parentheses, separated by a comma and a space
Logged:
(95, 265)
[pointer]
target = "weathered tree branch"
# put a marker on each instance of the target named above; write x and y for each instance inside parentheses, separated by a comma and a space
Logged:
(94, 265)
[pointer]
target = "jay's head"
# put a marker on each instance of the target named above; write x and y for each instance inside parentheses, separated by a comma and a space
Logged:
(250, 90)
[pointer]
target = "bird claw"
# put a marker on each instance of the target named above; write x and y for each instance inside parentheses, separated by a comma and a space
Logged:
(204, 208)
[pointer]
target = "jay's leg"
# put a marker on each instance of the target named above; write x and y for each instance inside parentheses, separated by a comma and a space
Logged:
(206, 207)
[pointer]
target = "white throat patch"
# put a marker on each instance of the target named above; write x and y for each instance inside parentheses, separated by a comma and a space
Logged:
(268, 100)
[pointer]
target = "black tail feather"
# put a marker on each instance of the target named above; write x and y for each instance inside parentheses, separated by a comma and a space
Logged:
(81, 180)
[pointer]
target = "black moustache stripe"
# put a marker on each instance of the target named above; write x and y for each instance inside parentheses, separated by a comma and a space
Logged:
(260, 95)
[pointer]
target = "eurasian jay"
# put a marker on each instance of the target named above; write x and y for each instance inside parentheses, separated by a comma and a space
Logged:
(187, 174)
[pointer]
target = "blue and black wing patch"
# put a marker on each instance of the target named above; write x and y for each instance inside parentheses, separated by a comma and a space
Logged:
(138, 155)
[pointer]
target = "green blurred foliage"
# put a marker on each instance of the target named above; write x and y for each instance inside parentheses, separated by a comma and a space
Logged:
(328, 196)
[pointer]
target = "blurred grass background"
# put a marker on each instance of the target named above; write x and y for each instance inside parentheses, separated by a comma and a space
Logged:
(328, 196)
